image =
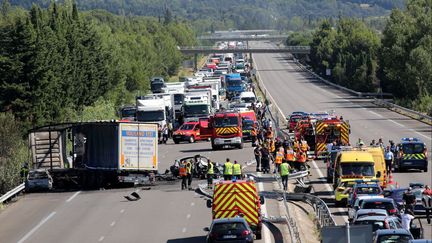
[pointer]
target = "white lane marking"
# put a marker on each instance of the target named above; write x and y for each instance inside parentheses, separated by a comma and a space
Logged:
(192, 204)
(376, 114)
(101, 238)
(421, 134)
(397, 123)
(184, 230)
(73, 196)
(266, 231)
(188, 216)
(122, 211)
(113, 223)
(32, 231)
(320, 174)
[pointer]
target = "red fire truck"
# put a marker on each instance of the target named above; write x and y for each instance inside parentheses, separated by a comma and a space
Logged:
(226, 127)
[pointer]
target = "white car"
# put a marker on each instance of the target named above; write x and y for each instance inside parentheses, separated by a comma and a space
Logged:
(369, 212)
(353, 210)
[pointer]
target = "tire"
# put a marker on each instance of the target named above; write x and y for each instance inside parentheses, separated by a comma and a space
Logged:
(240, 146)
(176, 141)
(329, 180)
(258, 236)
(192, 139)
(215, 147)
(425, 169)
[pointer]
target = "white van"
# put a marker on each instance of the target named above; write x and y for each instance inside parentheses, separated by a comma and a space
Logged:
(248, 98)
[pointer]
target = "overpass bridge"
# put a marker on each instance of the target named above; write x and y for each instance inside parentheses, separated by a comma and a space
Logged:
(195, 50)
(243, 38)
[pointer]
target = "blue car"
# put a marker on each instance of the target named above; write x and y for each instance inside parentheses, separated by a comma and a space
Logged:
(397, 194)
(363, 188)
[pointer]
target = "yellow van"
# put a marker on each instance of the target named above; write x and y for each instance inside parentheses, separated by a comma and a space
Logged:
(380, 166)
(354, 164)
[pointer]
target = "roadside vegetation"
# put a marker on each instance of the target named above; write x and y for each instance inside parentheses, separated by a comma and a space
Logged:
(59, 64)
(396, 61)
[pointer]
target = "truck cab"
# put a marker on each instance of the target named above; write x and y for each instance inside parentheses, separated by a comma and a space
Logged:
(226, 129)
(354, 164)
(196, 105)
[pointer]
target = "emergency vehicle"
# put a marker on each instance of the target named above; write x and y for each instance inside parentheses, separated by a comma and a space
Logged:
(226, 129)
(327, 131)
(238, 198)
(412, 154)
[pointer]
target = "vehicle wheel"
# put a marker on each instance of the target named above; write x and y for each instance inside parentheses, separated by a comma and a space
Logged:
(215, 147)
(329, 180)
(191, 139)
(240, 146)
(176, 141)
(258, 236)
(425, 169)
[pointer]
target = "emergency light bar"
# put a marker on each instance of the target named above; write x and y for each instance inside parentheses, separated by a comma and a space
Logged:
(410, 140)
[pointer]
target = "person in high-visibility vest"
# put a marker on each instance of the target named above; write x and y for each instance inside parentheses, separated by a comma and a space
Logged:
(300, 160)
(296, 145)
(284, 172)
(210, 174)
(189, 173)
(254, 134)
(228, 170)
(237, 170)
(278, 160)
(183, 174)
(304, 146)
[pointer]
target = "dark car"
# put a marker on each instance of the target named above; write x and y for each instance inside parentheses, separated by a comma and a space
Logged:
(392, 235)
(412, 154)
(397, 194)
(381, 203)
(229, 230)
(247, 128)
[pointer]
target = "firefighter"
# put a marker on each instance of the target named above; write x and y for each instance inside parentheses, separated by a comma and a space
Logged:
(254, 134)
(257, 153)
(296, 145)
(183, 174)
(304, 146)
(300, 160)
(278, 159)
(228, 170)
(290, 156)
(265, 160)
(237, 170)
(269, 134)
(210, 174)
(189, 173)
(284, 172)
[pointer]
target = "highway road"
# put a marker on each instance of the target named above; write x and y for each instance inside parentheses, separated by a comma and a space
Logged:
(164, 214)
(296, 90)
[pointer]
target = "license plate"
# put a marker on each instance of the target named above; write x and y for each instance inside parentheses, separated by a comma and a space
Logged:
(408, 163)
(230, 236)
(227, 141)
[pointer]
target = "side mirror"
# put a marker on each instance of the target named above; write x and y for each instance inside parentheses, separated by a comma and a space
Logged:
(262, 200)
(378, 174)
(206, 229)
(209, 203)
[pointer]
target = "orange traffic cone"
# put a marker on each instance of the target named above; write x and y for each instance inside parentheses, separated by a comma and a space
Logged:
(397, 185)
(390, 182)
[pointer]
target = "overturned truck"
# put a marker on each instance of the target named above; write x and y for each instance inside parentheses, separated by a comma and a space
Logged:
(95, 154)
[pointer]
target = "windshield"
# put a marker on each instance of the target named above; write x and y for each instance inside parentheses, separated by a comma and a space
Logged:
(394, 239)
(226, 122)
(156, 85)
(150, 116)
(187, 127)
(128, 113)
(358, 169)
(223, 228)
(413, 148)
(377, 205)
(247, 124)
(234, 83)
(37, 175)
(248, 99)
(368, 190)
(376, 225)
(178, 99)
(196, 110)
(295, 118)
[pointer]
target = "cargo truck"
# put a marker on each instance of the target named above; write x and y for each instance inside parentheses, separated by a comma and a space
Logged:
(234, 85)
(197, 104)
(95, 154)
(154, 111)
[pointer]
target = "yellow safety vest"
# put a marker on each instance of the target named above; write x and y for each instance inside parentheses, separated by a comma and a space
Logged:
(284, 170)
(189, 167)
(236, 169)
(210, 169)
(228, 168)
(290, 155)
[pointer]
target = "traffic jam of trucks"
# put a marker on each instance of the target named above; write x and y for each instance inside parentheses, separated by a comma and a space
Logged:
(217, 106)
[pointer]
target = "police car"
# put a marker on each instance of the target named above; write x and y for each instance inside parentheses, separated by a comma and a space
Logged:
(411, 154)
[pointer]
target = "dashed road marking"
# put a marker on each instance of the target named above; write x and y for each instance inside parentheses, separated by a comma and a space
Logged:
(376, 114)
(122, 211)
(184, 230)
(101, 238)
(32, 231)
(397, 123)
(192, 204)
(188, 216)
(73, 196)
(113, 223)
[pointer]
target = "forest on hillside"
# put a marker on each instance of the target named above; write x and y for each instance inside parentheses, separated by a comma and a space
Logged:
(58, 64)
(242, 14)
(397, 61)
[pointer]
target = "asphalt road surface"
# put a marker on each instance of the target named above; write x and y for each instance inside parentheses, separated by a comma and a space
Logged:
(296, 90)
(164, 213)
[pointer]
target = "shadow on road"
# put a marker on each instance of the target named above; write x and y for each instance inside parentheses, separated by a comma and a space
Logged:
(277, 234)
(197, 239)
(196, 150)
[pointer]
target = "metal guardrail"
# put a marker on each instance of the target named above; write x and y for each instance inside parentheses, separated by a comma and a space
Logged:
(411, 113)
(323, 214)
(12, 193)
